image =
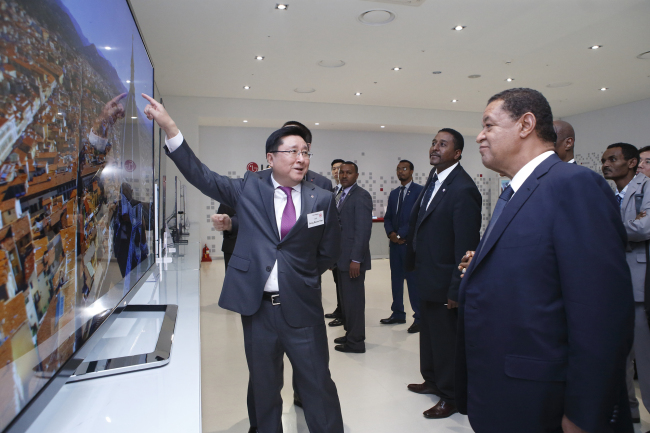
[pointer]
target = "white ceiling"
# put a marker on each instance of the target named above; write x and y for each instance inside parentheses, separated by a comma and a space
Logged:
(207, 48)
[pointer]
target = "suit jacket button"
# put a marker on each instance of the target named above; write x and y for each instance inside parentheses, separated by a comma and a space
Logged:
(279, 247)
(269, 269)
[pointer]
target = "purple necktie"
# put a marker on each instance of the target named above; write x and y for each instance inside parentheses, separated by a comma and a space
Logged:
(289, 213)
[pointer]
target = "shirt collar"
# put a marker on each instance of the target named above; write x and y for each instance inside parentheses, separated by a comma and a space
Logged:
(624, 190)
(444, 173)
(572, 161)
(347, 190)
(407, 186)
(525, 171)
(276, 185)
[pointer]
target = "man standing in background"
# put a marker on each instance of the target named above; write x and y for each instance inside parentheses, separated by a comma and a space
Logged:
(566, 139)
(337, 314)
(633, 194)
(396, 224)
(355, 215)
(445, 224)
(644, 162)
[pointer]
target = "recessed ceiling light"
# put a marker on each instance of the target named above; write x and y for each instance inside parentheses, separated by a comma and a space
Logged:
(376, 17)
(107, 48)
(396, 68)
(247, 87)
(459, 28)
(259, 57)
(134, 117)
(602, 89)
(282, 7)
(60, 114)
(436, 72)
(510, 79)
(357, 94)
(383, 126)
(595, 47)
(644, 56)
(474, 76)
(316, 123)
(245, 121)
(454, 100)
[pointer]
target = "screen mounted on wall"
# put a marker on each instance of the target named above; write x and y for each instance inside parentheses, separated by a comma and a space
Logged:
(76, 177)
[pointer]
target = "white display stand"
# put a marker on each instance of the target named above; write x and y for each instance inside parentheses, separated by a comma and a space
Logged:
(165, 399)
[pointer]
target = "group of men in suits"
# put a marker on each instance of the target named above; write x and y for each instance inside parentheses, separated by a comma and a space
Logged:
(539, 313)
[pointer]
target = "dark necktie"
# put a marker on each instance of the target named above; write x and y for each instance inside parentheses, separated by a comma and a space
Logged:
(400, 201)
(289, 213)
(619, 199)
(337, 197)
(338, 205)
(427, 196)
(501, 204)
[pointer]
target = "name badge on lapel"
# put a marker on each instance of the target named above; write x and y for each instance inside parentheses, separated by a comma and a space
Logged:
(315, 219)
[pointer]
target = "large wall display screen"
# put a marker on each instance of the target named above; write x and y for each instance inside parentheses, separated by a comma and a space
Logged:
(76, 175)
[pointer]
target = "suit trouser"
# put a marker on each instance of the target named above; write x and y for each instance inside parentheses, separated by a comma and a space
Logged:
(397, 257)
(353, 300)
(226, 259)
(438, 327)
(339, 309)
(267, 337)
(641, 353)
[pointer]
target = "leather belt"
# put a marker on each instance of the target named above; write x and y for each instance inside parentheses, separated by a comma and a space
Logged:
(272, 297)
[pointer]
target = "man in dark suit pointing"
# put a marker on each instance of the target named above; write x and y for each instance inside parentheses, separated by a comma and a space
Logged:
(546, 307)
(289, 235)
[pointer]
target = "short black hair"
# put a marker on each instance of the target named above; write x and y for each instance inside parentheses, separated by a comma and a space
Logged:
(644, 149)
(459, 141)
(275, 139)
(629, 151)
(297, 124)
(409, 163)
(356, 168)
(336, 161)
(520, 101)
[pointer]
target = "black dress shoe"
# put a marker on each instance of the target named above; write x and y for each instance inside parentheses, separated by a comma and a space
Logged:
(636, 420)
(341, 340)
(336, 322)
(345, 348)
(333, 315)
(441, 410)
(391, 320)
(252, 430)
(422, 388)
(414, 328)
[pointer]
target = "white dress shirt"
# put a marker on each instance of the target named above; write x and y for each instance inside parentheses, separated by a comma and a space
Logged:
(441, 178)
(279, 203)
(573, 161)
(406, 188)
(527, 170)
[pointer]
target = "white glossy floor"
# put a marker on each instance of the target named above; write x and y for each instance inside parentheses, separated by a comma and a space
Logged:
(371, 386)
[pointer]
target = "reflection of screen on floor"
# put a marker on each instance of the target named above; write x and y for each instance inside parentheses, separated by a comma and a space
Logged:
(76, 181)
(130, 333)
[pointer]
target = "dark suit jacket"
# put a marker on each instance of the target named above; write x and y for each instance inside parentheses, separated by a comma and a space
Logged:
(546, 309)
(229, 237)
(401, 226)
(302, 256)
(318, 180)
(450, 228)
(355, 213)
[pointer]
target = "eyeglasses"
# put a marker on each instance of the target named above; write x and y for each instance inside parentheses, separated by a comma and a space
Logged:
(293, 153)
(403, 169)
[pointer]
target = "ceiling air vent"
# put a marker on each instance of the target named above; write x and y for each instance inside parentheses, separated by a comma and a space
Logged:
(399, 2)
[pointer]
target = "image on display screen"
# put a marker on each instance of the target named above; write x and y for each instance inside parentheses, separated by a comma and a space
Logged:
(76, 181)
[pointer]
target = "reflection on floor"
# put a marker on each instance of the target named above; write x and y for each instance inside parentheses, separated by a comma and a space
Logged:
(371, 386)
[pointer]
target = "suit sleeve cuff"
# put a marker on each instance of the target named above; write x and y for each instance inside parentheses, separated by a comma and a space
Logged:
(174, 142)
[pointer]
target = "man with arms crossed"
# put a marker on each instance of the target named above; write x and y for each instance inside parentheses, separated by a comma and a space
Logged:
(289, 235)
(546, 307)
(633, 193)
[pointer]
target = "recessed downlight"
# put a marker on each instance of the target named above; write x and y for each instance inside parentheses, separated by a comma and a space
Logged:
(510, 79)
(382, 126)
(331, 63)
(128, 81)
(396, 68)
(108, 48)
(454, 100)
(602, 89)
(376, 17)
(459, 28)
(316, 123)
(245, 121)
(282, 7)
(247, 87)
(259, 57)
(595, 47)
(357, 94)
(437, 72)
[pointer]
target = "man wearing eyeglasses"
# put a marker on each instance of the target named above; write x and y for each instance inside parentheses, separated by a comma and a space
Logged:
(289, 236)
